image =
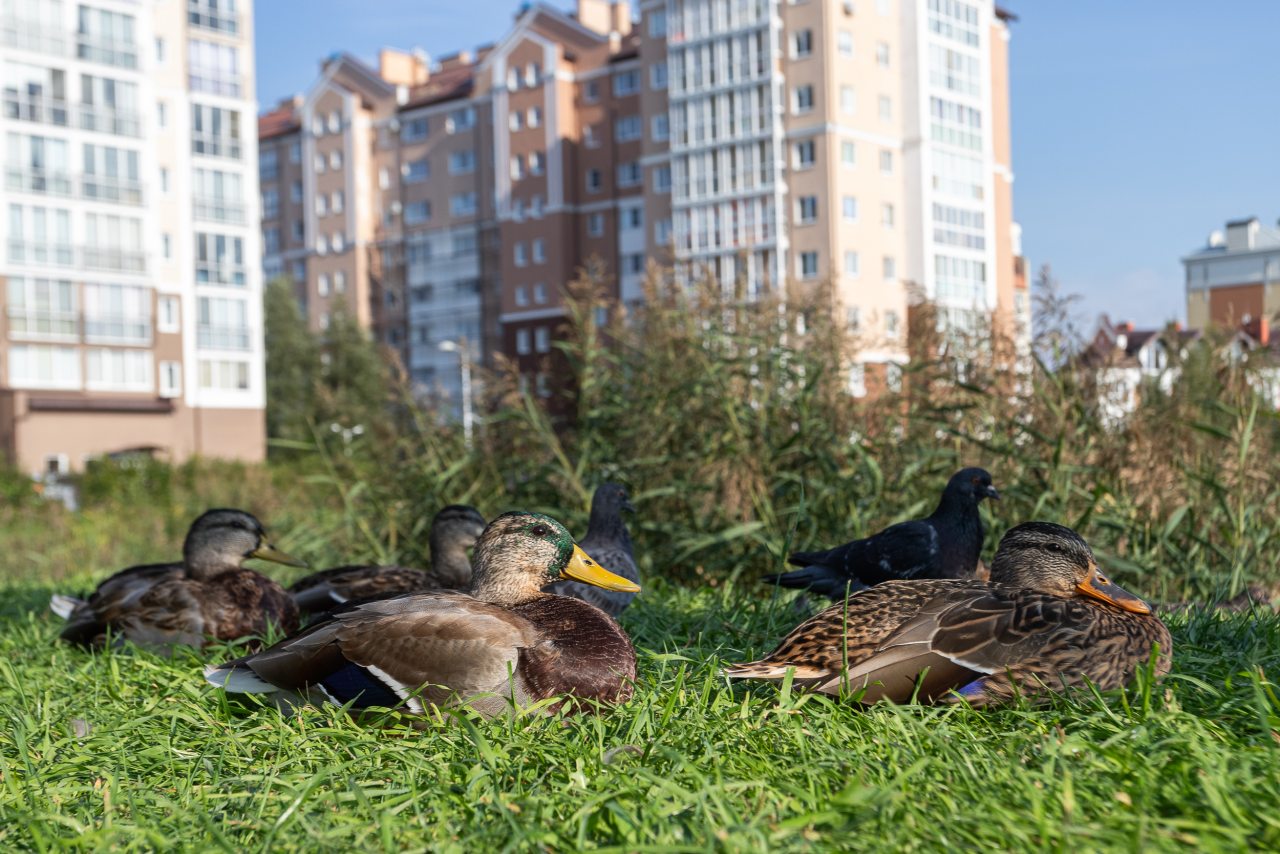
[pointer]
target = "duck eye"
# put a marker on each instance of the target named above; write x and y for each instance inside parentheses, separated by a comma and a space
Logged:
(540, 531)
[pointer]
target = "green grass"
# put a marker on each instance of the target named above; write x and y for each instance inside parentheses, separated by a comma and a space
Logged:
(130, 751)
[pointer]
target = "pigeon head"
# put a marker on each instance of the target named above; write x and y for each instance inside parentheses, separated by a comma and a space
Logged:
(611, 498)
(519, 553)
(971, 485)
(221, 540)
(1054, 559)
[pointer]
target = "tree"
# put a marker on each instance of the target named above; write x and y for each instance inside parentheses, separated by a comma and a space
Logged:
(293, 361)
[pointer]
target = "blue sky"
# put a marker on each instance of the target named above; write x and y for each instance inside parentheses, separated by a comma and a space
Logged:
(1138, 126)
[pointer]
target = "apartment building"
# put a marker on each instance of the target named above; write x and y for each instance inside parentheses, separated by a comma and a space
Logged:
(132, 312)
(1234, 278)
(772, 145)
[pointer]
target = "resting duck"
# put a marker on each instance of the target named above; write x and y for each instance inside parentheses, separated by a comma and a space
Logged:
(208, 596)
(453, 531)
(1047, 620)
(609, 542)
(505, 642)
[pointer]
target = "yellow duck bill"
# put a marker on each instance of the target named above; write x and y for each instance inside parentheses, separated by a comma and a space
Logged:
(582, 568)
(266, 551)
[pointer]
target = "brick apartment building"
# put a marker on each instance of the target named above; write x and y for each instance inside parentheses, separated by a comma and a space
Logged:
(132, 291)
(771, 144)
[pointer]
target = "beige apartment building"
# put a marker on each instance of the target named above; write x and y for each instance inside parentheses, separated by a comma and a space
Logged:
(132, 312)
(773, 145)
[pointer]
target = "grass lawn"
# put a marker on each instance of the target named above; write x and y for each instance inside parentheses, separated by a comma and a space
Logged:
(129, 751)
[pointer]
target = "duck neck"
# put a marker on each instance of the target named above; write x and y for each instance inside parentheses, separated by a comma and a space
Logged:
(506, 589)
(202, 565)
(450, 563)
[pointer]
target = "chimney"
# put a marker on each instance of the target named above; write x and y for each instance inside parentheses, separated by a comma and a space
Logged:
(621, 17)
(403, 69)
(1242, 234)
(596, 15)
(1125, 326)
(1264, 331)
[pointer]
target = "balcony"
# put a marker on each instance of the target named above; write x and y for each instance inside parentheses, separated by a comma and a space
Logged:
(35, 36)
(222, 337)
(37, 325)
(108, 51)
(208, 16)
(104, 188)
(213, 273)
(108, 120)
(114, 260)
(117, 329)
(29, 107)
(41, 254)
(216, 146)
(44, 181)
(208, 81)
(219, 210)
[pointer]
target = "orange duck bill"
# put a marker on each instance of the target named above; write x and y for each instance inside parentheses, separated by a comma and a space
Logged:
(1098, 586)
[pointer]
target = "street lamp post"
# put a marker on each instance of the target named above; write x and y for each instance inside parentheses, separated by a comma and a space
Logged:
(464, 361)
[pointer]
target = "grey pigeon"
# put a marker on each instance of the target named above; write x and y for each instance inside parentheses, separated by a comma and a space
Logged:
(608, 544)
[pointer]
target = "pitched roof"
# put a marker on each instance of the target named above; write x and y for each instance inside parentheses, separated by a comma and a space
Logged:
(442, 86)
(280, 121)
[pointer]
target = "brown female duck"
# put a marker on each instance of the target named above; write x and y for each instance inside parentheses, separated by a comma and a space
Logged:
(1047, 620)
(505, 642)
(208, 595)
(453, 531)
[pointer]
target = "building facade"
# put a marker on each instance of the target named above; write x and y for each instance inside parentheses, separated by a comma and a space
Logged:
(1235, 278)
(132, 313)
(770, 145)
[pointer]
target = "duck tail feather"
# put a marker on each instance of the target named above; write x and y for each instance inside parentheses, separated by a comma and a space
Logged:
(64, 606)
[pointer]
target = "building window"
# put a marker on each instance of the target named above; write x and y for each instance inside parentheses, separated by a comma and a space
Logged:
(522, 342)
(848, 153)
(662, 232)
(542, 339)
(462, 162)
(849, 208)
(628, 128)
(268, 159)
(660, 127)
(886, 108)
(319, 163)
(537, 163)
(590, 138)
(322, 204)
(848, 100)
(513, 79)
(339, 282)
(539, 251)
(886, 162)
(166, 242)
(851, 263)
(658, 76)
(517, 167)
(44, 366)
(890, 268)
(225, 375)
(633, 218)
(595, 225)
(629, 174)
(802, 44)
(521, 254)
(809, 265)
(270, 204)
(117, 314)
(806, 154)
(633, 263)
(521, 296)
(594, 180)
(844, 43)
(591, 92)
(336, 202)
(295, 192)
(170, 379)
(658, 23)
(295, 152)
(858, 381)
(416, 213)
(335, 160)
(110, 369)
(886, 215)
(891, 324)
(414, 130)
(463, 204)
(222, 324)
(297, 231)
(882, 54)
(168, 315)
(338, 241)
(460, 120)
(220, 260)
(807, 209)
(535, 206)
(626, 83)
(539, 293)
(335, 122)
(893, 371)
(532, 75)
(802, 99)
(213, 68)
(662, 179)
(854, 317)
(41, 308)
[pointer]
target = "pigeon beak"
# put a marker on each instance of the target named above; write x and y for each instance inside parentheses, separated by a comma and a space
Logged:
(1097, 586)
(583, 568)
(628, 506)
(992, 493)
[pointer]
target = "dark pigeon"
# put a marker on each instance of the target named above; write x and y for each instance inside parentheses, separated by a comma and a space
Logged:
(608, 544)
(945, 545)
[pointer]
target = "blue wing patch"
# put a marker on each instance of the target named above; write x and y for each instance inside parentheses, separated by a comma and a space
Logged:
(354, 683)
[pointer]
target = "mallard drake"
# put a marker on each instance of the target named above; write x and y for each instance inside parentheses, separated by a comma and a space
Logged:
(208, 595)
(609, 542)
(1047, 620)
(505, 641)
(453, 531)
(944, 545)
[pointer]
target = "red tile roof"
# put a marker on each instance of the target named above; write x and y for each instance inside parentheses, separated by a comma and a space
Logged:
(280, 121)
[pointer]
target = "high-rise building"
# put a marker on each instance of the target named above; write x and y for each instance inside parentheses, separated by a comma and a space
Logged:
(133, 305)
(771, 145)
(1234, 279)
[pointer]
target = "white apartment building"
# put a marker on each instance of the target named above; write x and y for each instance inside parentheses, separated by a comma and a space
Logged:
(133, 292)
